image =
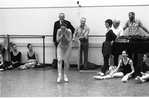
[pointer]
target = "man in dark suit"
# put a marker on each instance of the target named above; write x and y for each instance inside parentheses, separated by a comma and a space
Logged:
(57, 26)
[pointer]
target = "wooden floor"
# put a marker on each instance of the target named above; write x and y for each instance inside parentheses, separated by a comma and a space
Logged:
(41, 82)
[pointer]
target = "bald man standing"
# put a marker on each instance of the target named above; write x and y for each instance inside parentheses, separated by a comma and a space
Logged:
(81, 33)
(57, 25)
(118, 30)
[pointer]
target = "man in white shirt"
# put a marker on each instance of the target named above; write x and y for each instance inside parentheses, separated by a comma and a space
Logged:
(81, 33)
(118, 30)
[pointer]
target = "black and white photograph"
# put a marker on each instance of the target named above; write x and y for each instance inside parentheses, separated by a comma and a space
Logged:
(74, 48)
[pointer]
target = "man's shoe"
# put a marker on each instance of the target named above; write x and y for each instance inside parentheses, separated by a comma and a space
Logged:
(85, 68)
(81, 67)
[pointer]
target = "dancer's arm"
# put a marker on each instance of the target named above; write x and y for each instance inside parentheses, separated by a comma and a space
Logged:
(59, 36)
(119, 64)
(132, 68)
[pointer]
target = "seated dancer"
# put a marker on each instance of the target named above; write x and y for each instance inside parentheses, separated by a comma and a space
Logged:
(124, 69)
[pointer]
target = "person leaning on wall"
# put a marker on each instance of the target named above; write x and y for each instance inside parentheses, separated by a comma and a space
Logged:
(2, 65)
(81, 33)
(31, 58)
(15, 56)
(4, 47)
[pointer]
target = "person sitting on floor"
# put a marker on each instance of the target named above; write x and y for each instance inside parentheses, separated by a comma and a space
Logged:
(15, 56)
(31, 58)
(2, 66)
(124, 69)
(144, 69)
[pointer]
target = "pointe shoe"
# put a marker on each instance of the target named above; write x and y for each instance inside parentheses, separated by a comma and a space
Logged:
(124, 81)
(137, 78)
(140, 80)
(65, 78)
(98, 77)
(59, 79)
(1, 69)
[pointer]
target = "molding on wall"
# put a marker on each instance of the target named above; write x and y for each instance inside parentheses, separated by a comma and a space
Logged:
(54, 7)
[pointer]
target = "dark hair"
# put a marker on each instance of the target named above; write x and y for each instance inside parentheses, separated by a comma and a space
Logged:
(109, 21)
(125, 51)
(132, 13)
(13, 45)
(28, 45)
(147, 55)
(64, 24)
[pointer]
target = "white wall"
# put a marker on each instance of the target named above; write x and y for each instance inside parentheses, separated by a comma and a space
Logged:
(59, 3)
(36, 17)
(40, 20)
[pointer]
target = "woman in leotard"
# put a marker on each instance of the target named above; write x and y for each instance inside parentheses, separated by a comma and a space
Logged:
(124, 69)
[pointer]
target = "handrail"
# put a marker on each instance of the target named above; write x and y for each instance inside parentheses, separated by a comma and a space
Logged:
(39, 36)
(22, 36)
(27, 36)
(30, 35)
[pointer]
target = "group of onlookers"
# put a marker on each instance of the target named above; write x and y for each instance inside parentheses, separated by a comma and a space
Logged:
(64, 34)
(31, 59)
(126, 66)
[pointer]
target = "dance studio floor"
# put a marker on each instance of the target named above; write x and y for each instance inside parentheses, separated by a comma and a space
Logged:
(41, 82)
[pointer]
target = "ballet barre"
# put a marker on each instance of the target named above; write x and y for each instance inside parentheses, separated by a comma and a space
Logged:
(8, 37)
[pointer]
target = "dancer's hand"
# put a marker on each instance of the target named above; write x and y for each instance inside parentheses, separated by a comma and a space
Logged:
(128, 74)
(143, 74)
